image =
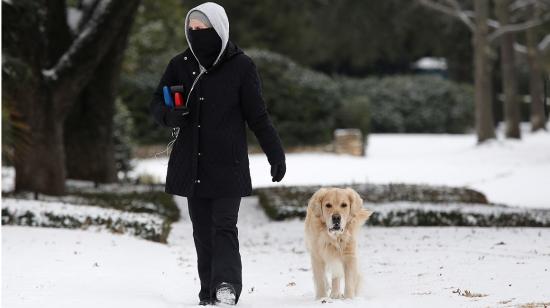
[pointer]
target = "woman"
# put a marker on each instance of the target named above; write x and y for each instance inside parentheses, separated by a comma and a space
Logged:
(209, 160)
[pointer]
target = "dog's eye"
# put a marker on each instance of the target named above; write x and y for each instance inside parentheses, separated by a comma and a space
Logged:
(344, 204)
(328, 205)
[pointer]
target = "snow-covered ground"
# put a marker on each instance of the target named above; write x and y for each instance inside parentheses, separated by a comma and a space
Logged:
(510, 172)
(402, 267)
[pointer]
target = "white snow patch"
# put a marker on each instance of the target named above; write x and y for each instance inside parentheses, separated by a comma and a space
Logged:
(20, 206)
(430, 63)
(74, 16)
(401, 267)
(509, 172)
(47, 214)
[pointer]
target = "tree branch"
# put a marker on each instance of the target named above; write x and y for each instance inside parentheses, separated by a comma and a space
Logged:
(519, 27)
(544, 43)
(462, 14)
(58, 36)
(521, 4)
(450, 10)
(75, 67)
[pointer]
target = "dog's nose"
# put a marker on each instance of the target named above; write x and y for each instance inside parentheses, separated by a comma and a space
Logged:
(336, 218)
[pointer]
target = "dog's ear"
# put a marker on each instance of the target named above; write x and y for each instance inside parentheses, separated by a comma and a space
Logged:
(314, 204)
(356, 203)
(357, 212)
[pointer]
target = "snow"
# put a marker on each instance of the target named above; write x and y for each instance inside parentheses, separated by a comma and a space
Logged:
(41, 209)
(60, 214)
(74, 16)
(8, 178)
(431, 63)
(402, 267)
(506, 171)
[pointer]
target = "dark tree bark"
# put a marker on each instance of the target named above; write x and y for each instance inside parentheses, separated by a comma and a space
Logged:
(509, 74)
(478, 22)
(54, 71)
(89, 144)
(536, 81)
(482, 73)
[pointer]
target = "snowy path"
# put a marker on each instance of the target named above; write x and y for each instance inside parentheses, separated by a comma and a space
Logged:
(412, 267)
(510, 172)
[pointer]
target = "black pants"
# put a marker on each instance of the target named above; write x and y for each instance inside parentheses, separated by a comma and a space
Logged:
(217, 244)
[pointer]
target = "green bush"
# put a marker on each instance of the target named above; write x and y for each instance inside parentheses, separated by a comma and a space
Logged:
(141, 210)
(409, 205)
(415, 104)
(62, 215)
(291, 201)
(302, 103)
(354, 112)
(123, 125)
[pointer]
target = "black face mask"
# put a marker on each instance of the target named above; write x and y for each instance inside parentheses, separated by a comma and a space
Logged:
(207, 45)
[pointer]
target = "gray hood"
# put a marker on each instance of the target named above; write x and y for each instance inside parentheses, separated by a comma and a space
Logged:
(218, 18)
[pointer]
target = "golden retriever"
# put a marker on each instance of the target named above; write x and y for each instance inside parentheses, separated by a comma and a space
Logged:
(333, 220)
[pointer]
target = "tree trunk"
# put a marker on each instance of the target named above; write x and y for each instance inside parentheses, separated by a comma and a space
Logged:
(53, 74)
(509, 74)
(536, 83)
(42, 168)
(482, 77)
(89, 144)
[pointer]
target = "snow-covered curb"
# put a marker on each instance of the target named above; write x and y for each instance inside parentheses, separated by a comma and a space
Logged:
(64, 215)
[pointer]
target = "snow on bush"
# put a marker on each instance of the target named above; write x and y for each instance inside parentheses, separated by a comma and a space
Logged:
(64, 215)
(410, 205)
(455, 214)
(290, 201)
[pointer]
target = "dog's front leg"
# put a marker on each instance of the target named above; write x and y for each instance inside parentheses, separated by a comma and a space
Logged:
(350, 276)
(335, 291)
(319, 277)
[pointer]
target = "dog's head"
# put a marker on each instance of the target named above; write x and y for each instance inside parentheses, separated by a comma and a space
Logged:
(338, 208)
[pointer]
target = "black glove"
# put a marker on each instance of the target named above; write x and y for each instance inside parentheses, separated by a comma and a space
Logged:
(278, 171)
(176, 117)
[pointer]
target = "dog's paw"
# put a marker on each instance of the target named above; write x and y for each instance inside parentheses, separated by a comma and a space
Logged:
(325, 300)
(336, 295)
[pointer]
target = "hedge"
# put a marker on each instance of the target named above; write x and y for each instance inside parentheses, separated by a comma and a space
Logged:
(142, 210)
(290, 201)
(301, 102)
(409, 205)
(63, 215)
(414, 103)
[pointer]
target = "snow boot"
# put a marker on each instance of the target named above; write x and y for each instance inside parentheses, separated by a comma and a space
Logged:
(225, 294)
(205, 302)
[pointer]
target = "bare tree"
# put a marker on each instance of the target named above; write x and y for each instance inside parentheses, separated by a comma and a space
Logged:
(485, 31)
(88, 133)
(536, 83)
(51, 67)
(509, 73)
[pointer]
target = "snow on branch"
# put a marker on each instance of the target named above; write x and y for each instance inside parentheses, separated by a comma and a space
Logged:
(87, 35)
(519, 26)
(544, 43)
(452, 8)
(520, 48)
(521, 4)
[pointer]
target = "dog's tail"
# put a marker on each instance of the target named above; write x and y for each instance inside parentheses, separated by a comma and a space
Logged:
(363, 215)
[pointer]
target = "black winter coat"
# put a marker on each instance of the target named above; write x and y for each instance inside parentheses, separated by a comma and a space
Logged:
(210, 155)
